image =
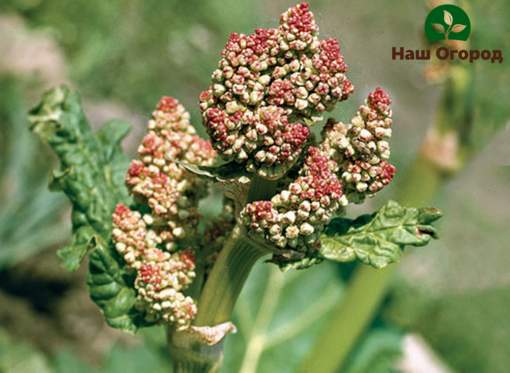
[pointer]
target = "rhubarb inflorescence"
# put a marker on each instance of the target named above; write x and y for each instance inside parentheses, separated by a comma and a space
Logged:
(152, 262)
(268, 89)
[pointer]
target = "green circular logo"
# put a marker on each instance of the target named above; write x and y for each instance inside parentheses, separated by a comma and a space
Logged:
(447, 22)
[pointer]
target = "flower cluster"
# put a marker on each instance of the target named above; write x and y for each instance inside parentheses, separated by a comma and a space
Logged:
(158, 180)
(269, 86)
(361, 148)
(153, 244)
(294, 218)
(349, 164)
(160, 276)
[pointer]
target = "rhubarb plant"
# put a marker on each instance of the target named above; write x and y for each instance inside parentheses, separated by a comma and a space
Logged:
(154, 260)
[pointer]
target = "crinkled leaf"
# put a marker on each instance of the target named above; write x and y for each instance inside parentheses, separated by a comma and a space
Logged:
(72, 255)
(91, 176)
(87, 160)
(108, 288)
(110, 138)
(379, 239)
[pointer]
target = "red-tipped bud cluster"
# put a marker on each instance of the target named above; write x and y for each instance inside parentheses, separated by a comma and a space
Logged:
(298, 23)
(153, 244)
(295, 217)
(169, 190)
(287, 68)
(160, 276)
(361, 148)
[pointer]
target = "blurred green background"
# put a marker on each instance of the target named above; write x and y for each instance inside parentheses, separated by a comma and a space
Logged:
(448, 310)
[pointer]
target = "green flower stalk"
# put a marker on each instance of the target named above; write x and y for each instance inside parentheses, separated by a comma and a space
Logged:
(151, 262)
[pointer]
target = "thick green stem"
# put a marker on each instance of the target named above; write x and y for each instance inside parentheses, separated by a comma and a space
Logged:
(227, 279)
(215, 305)
(191, 356)
(219, 295)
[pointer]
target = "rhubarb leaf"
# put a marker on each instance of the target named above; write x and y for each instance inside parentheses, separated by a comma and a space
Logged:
(91, 176)
(379, 239)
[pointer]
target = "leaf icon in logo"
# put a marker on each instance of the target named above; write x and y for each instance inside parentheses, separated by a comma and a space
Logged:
(448, 18)
(458, 28)
(438, 27)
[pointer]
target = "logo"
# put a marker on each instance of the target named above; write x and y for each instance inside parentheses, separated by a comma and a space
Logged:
(447, 22)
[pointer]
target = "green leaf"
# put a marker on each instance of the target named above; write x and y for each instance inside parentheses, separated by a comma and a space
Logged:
(91, 176)
(278, 316)
(87, 161)
(110, 137)
(379, 239)
(108, 288)
(73, 254)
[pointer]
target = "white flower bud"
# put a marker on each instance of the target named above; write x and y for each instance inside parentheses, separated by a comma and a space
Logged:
(365, 135)
(121, 247)
(303, 215)
(178, 232)
(295, 188)
(148, 219)
(302, 93)
(260, 156)
(361, 187)
(305, 206)
(275, 230)
(255, 96)
(291, 232)
(294, 65)
(281, 242)
(238, 144)
(231, 107)
(285, 195)
(218, 89)
(301, 104)
(129, 257)
(306, 229)
(242, 155)
(314, 98)
(289, 217)
(265, 79)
